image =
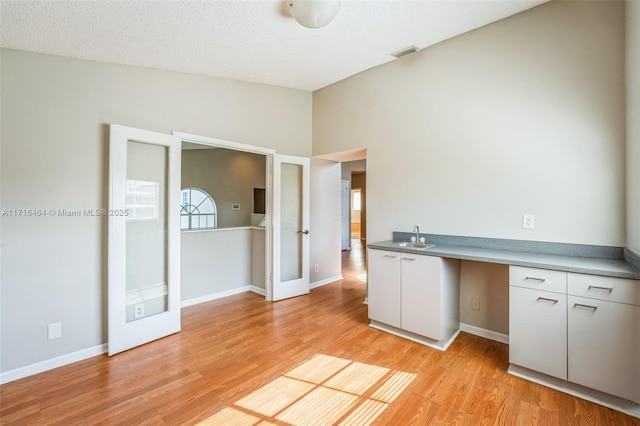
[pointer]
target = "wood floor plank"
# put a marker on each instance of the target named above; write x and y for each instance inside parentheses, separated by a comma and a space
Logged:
(231, 347)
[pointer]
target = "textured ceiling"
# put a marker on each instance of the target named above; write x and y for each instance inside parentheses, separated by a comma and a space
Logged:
(254, 41)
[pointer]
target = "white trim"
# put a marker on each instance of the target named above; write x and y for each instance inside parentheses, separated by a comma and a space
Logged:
(440, 345)
(214, 296)
(223, 143)
(235, 228)
(483, 332)
(260, 291)
(605, 399)
(326, 281)
(50, 364)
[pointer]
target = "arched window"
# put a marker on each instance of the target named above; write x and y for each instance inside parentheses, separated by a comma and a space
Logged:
(197, 210)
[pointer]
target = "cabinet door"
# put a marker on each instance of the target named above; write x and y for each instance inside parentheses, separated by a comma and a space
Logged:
(604, 346)
(421, 295)
(384, 287)
(538, 330)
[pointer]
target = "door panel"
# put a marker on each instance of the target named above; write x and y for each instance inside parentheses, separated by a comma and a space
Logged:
(144, 237)
(345, 216)
(290, 227)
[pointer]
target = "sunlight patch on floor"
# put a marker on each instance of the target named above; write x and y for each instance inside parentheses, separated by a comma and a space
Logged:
(324, 390)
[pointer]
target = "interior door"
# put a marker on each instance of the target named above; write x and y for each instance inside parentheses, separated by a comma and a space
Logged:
(290, 227)
(143, 237)
(345, 216)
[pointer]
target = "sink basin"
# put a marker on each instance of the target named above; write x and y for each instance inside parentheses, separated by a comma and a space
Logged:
(414, 244)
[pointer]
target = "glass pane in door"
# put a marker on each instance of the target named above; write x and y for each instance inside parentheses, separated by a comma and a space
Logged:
(291, 220)
(146, 230)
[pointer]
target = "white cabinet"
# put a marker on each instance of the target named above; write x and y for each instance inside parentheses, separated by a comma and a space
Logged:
(581, 328)
(415, 293)
(538, 330)
(604, 335)
(383, 293)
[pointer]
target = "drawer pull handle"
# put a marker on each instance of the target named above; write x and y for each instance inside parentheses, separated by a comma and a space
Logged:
(585, 306)
(595, 287)
(536, 279)
(548, 300)
(410, 259)
(390, 256)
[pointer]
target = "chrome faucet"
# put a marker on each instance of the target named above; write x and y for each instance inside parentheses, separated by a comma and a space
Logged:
(416, 229)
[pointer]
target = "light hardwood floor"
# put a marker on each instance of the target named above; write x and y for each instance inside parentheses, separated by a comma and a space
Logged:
(241, 360)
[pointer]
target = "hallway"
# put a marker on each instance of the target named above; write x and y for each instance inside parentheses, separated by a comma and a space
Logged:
(354, 262)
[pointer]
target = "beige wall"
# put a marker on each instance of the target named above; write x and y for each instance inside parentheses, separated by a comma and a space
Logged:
(54, 142)
(229, 177)
(215, 261)
(325, 221)
(489, 283)
(633, 124)
(525, 115)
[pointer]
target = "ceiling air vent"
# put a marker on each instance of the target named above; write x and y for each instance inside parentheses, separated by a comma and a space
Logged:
(405, 51)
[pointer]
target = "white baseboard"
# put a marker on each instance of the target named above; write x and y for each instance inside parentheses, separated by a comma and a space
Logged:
(440, 345)
(50, 364)
(325, 281)
(610, 401)
(487, 334)
(214, 296)
(258, 290)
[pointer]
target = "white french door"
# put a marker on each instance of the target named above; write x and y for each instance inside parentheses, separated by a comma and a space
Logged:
(290, 227)
(143, 237)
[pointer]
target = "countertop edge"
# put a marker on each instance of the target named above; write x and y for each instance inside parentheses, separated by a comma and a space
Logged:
(623, 269)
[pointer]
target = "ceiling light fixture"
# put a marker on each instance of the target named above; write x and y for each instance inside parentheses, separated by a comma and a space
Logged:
(314, 13)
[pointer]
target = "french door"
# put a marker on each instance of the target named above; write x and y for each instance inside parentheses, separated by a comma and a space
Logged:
(290, 227)
(143, 237)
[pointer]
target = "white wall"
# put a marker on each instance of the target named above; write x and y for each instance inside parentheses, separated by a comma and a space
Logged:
(54, 142)
(325, 220)
(525, 115)
(633, 123)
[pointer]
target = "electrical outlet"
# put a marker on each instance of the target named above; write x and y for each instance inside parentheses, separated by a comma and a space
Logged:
(528, 221)
(55, 330)
(316, 268)
(475, 304)
(138, 310)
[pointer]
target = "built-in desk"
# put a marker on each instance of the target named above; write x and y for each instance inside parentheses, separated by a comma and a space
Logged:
(574, 309)
(585, 259)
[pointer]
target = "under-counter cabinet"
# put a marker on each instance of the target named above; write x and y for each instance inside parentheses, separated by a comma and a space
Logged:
(581, 328)
(603, 317)
(414, 296)
(384, 293)
(538, 320)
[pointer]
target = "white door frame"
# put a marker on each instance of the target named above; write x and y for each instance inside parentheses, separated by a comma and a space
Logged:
(269, 153)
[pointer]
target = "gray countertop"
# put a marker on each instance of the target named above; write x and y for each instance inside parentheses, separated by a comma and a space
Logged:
(618, 268)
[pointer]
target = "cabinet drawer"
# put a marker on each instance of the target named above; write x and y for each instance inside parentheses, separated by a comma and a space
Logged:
(538, 279)
(604, 288)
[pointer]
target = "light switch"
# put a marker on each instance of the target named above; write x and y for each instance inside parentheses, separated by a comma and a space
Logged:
(528, 221)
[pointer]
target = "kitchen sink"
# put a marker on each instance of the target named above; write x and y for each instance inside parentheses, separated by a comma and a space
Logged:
(413, 244)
